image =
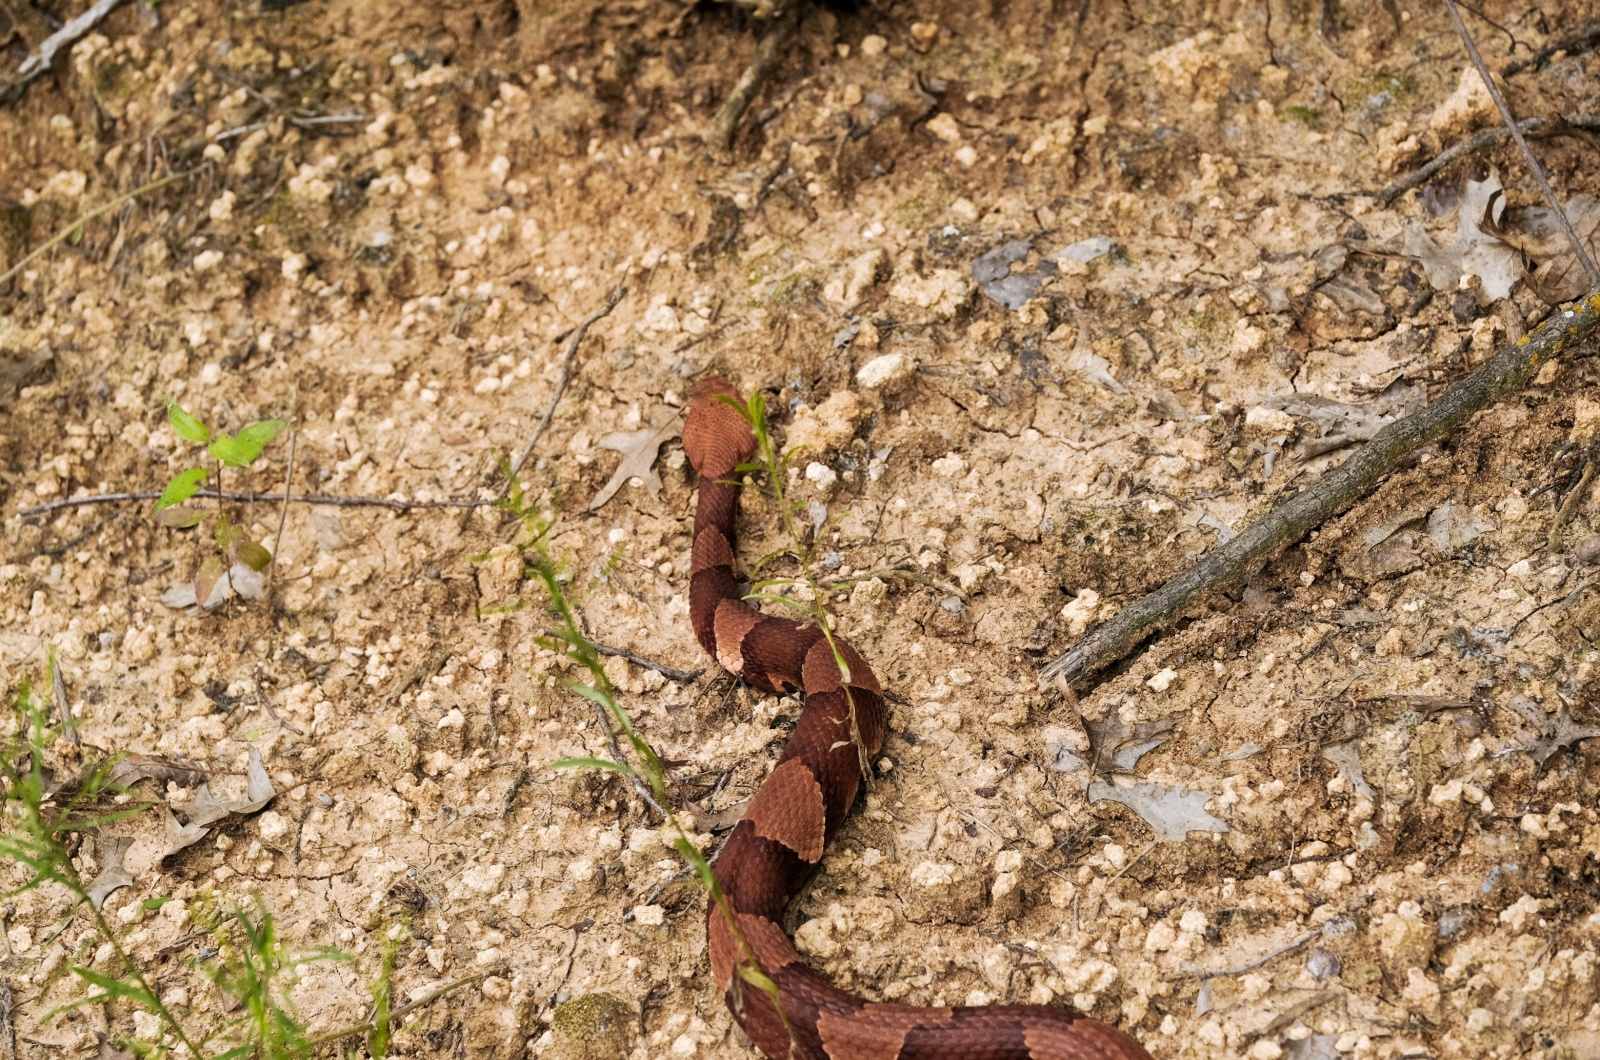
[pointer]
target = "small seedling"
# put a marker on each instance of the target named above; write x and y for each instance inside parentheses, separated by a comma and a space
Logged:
(646, 771)
(232, 544)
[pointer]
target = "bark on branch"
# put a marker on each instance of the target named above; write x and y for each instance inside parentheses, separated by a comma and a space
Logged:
(1508, 371)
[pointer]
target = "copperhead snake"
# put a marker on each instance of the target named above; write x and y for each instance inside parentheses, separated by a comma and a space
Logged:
(802, 804)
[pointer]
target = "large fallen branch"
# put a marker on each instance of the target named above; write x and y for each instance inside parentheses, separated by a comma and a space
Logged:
(1508, 371)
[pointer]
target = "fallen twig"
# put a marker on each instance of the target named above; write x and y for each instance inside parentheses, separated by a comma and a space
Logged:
(1534, 168)
(1508, 371)
(66, 233)
(1585, 37)
(768, 51)
(369, 1025)
(58, 691)
(8, 1027)
(283, 511)
(266, 705)
(392, 503)
(1570, 505)
(1249, 966)
(40, 61)
(683, 677)
(573, 342)
(1425, 172)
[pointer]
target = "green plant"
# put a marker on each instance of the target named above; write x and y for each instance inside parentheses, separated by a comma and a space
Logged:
(646, 771)
(41, 817)
(232, 544)
(1305, 115)
(253, 968)
(812, 595)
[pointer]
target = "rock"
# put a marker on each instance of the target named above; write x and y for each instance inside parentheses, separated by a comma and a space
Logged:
(829, 425)
(821, 475)
(1466, 106)
(846, 288)
(275, 830)
(944, 892)
(945, 128)
(1587, 551)
(942, 293)
(885, 370)
(1269, 421)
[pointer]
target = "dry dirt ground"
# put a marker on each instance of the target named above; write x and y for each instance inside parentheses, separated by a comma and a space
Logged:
(394, 217)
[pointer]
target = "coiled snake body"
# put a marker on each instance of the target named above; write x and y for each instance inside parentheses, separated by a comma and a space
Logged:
(802, 804)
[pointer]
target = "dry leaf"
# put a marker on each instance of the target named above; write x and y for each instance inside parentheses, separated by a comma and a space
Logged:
(112, 874)
(639, 450)
(1556, 733)
(1172, 812)
(249, 585)
(133, 767)
(1562, 277)
(1454, 526)
(1478, 250)
(206, 809)
(1115, 747)
(1011, 289)
(1314, 1047)
(58, 689)
(1092, 366)
(1347, 757)
(1340, 424)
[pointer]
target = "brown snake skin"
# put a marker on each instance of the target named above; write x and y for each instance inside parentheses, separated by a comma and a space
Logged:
(779, 842)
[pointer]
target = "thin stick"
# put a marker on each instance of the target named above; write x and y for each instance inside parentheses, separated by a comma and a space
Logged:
(1508, 371)
(283, 512)
(1287, 947)
(266, 705)
(1581, 39)
(399, 1013)
(1463, 147)
(1537, 170)
(117, 203)
(768, 51)
(8, 1027)
(566, 372)
(1570, 505)
(58, 691)
(40, 61)
(639, 785)
(391, 503)
(683, 677)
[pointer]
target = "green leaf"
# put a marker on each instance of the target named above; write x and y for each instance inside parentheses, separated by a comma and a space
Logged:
(181, 488)
(116, 988)
(253, 555)
(595, 763)
(753, 975)
(241, 450)
(185, 426)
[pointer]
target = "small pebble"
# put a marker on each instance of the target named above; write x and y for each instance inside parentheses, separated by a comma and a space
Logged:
(1323, 964)
(1588, 550)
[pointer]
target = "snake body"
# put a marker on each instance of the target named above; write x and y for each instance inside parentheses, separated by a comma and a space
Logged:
(802, 804)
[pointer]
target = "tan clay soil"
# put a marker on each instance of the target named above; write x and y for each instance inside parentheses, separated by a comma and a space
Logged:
(400, 282)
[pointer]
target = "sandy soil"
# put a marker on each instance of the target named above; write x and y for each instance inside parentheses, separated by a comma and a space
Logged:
(400, 282)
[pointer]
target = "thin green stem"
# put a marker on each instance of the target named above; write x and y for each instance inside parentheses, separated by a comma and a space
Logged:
(66, 233)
